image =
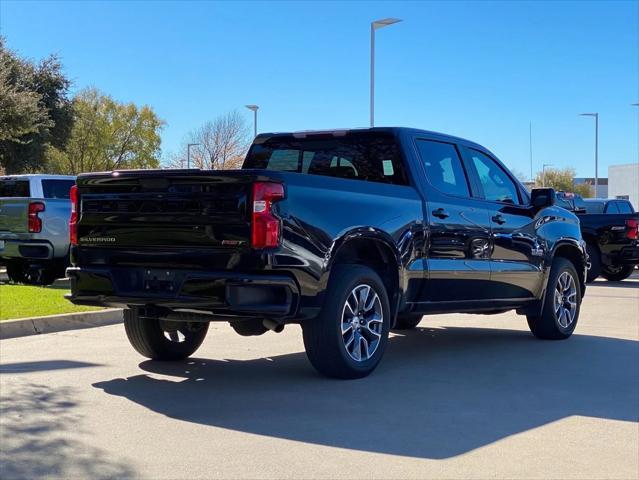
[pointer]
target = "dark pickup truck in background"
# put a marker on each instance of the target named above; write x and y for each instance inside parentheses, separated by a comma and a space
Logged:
(349, 233)
(610, 230)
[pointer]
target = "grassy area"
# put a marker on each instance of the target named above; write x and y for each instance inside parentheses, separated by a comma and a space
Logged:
(20, 301)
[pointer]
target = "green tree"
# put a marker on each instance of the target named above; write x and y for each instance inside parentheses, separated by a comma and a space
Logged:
(108, 135)
(35, 111)
(562, 180)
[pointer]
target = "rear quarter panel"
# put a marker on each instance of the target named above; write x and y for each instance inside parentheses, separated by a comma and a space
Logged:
(320, 214)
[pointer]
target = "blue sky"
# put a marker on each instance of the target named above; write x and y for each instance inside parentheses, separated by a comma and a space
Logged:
(481, 70)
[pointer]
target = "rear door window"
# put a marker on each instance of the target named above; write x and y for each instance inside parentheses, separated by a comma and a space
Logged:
(443, 167)
(357, 156)
(57, 188)
(14, 188)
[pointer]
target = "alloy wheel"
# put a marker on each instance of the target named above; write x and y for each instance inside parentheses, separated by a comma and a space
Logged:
(362, 322)
(565, 300)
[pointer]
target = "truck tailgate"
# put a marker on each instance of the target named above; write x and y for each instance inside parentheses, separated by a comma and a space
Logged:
(171, 209)
(13, 215)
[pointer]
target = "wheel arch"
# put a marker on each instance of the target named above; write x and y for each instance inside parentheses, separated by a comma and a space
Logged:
(575, 253)
(375, 249)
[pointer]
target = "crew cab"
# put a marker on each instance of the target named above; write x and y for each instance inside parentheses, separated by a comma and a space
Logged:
(350, 233)
(610, 229)
(34, 232)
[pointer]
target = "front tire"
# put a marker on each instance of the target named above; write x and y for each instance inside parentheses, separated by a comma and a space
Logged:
(161, 339)
(562, 303)
(616, 273)
(348, 338)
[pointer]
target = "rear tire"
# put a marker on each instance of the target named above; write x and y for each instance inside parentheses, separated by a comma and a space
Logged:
(594, 257)
(407, 321)
(348, 338)
(22, 272)
(16, 272)
(616, 273)
(163, 340)
(562, 303)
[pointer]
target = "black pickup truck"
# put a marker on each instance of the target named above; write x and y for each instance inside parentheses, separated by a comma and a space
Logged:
(610, 229)
(350, 233)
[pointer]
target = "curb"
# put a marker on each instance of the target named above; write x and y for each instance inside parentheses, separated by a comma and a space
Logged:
(59, 323)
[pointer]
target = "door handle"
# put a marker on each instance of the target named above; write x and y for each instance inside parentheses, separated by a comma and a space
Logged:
(499, 219)
(440, 213)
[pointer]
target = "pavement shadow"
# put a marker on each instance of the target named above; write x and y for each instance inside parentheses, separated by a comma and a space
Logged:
(43, 365)
(38, 437)
(622, 284)
(438, 393)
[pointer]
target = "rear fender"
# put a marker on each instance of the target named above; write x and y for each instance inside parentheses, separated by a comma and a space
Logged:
(383, 241)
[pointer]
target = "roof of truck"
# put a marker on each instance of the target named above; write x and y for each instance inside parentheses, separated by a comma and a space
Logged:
(41, 176)
(344, 131)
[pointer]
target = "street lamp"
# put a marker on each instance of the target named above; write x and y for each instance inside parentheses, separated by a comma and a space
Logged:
(636, 105)
(543, 173)
(377, 24)
(254, 108)
(531, 156)
(596, 115)
(188, 153)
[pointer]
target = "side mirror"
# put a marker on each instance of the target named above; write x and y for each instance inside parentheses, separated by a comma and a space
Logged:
(542, 197)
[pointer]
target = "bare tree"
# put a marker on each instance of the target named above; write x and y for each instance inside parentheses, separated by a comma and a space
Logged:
(223, 143)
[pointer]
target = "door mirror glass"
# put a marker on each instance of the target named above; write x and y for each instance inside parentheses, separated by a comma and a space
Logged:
(543, 197)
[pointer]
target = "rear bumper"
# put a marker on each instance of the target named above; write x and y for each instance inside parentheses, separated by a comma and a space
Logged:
(223, 293)
(25, 250)
(625, 256)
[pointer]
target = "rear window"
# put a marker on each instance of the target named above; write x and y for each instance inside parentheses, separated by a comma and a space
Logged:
(368, 157)
(625, 207)
(612, 208)
(594, 207)
(14, 188)
(57, 188)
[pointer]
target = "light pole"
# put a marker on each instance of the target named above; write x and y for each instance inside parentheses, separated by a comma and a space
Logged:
(543, 173)
(377, 24)
(596, 115)
(531, 158)
(254, 108)
(188, 153)
(637, 105)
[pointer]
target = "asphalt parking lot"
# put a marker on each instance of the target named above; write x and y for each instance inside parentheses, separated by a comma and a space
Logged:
(461, 396)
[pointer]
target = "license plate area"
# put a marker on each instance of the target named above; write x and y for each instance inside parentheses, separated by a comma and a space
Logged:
(159, 281)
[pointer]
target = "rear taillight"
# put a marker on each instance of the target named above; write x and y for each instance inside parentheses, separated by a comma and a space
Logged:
(632, 228)
(265, 231)
(73, 221)
(35, 222)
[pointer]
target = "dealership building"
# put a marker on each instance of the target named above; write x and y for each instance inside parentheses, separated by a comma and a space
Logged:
(623, 182)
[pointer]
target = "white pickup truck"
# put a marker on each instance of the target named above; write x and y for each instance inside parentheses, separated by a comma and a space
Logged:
(34, 231)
